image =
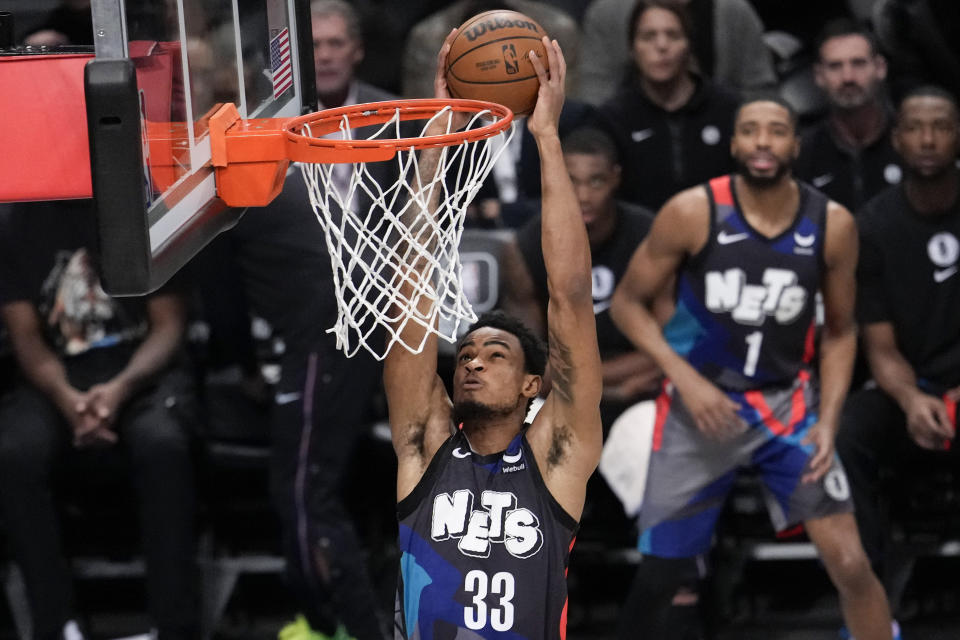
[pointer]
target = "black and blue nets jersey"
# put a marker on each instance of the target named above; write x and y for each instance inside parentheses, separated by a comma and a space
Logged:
(745, 307)
(484, 549)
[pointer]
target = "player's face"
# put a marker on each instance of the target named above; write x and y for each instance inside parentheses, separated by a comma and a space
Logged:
(595, 179)
(926, 135)
(661, 49)
(849, 72)
(490, 378)
(764, 143)
(335, 53)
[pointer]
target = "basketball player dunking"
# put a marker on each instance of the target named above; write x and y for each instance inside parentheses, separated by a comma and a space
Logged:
(488, 507)
(748, 253)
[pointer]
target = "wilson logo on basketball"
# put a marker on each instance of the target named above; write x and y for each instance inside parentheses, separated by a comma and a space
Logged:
(492, 25)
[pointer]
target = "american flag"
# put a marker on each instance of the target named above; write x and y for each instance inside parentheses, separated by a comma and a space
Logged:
(280, 63)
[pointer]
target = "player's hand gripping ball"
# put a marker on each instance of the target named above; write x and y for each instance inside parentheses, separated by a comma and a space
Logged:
(489, 60)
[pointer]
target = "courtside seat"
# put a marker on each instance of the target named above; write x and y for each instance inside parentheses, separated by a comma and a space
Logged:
(100, 534)
(238, 531)
(924, 507)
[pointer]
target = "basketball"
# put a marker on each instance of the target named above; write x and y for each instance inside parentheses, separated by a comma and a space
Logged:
(488, 60)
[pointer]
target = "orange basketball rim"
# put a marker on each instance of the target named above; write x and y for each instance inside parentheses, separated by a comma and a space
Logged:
(251, 157)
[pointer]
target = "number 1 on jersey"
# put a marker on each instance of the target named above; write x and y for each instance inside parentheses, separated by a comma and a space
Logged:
(753, 340)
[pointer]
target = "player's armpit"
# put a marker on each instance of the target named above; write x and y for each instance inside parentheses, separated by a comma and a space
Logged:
(417, 441)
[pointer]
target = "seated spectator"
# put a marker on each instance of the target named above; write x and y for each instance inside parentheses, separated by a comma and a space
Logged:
(848, 154)
(420, 52)
(337, 51)
(672, 125)
(614, 230)
(605, 57)
(99, 377)
(921, 39)
(575, 114)
(910, 252)
(510, 196)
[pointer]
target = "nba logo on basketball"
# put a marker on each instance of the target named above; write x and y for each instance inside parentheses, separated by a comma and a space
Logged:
(510, 62)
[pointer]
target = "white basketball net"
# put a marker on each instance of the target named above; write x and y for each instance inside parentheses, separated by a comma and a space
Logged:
(371, 247)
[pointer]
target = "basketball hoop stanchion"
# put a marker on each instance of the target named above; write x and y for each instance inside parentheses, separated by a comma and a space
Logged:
(418, 218)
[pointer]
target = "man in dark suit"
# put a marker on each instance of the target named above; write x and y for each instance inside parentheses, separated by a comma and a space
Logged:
(337, 50)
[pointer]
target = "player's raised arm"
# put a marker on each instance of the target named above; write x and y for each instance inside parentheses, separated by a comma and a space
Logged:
(419, 406)
(566, 434)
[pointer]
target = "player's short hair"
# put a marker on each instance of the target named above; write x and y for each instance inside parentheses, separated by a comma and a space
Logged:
(591, 141)
(534, 349)
(929, 91)
(676, 7)
(769, 96)
(323, 8)
(841, 27)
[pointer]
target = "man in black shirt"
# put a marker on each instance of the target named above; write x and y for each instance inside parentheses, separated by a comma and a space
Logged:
(672, 125)
(848, 155)
(910, 252)
(97, 377)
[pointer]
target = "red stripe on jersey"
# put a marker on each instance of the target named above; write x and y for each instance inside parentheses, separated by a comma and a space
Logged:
(798, 404)
(563, 612)
(563, 620)
(792, 532)
(810, 343)
(722, 194)
(756, 400)
(663, 408)
(798, 408)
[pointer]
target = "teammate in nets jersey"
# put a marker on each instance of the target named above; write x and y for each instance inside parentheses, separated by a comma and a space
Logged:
(747, 300)
(488, 507)
(748, 253)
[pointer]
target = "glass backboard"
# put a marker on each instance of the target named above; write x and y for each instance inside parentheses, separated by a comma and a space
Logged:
(162, 68)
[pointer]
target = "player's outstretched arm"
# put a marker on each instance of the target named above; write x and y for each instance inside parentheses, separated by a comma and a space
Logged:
(566, 435)
(418, 405)
(679, 230)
